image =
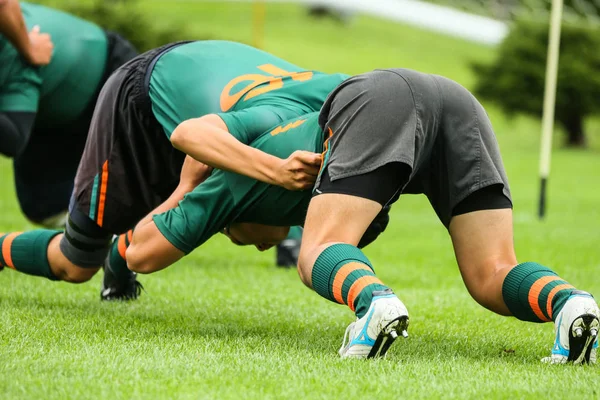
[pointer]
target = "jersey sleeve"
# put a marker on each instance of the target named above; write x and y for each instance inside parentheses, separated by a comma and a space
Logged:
(21, 91)
(248, 124)
(202, 213)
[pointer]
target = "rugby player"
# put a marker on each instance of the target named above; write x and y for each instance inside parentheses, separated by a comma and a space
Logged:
(388, 133)
(129, 166)
(33, 46)
(45, 112)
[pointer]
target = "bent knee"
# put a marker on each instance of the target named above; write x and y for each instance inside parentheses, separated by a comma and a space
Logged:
(485, 286)
(309, 253)
(305, 264)
(75, 274)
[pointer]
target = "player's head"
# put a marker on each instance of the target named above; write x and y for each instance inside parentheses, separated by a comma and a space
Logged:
(262, 236)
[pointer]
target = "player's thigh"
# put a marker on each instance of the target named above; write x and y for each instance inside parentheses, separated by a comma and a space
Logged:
(343, 209)
(45, 171)
(333, 218)
(44, 203)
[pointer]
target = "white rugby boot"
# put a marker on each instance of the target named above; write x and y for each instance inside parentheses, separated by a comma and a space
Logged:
(576, 329)
(373, 334)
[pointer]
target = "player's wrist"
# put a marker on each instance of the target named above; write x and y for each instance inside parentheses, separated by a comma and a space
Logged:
(274, 169)
(267, 166)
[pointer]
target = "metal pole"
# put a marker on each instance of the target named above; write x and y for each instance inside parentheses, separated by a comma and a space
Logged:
(258, 24)
(549, 101)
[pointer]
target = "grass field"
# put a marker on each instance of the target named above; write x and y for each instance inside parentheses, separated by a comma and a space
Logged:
(224, 323)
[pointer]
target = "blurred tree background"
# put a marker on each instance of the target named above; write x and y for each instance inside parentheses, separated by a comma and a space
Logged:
(515, 80)
(513, 9)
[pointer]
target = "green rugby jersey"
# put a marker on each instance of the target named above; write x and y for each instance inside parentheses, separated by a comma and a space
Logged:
(60, 91)
(250, 89)
(226, 197)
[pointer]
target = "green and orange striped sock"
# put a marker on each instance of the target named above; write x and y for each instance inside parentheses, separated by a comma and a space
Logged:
(27, 252)
(343, 274)
(535, 293)
(116, 260)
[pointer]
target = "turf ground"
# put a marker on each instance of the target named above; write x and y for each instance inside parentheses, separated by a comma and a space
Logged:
(224, 323)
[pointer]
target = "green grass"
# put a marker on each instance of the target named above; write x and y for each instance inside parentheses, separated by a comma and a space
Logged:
(224, 323)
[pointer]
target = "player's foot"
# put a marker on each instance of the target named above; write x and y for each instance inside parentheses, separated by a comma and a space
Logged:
(372, 335)
(576, 327)
(287, 253)
(114, 288)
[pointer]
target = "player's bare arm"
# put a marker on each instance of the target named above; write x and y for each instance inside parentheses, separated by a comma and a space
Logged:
(34, 46)
(149, 250)
(207, 139)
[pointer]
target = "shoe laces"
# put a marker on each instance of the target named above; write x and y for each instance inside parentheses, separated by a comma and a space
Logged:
(138, 288)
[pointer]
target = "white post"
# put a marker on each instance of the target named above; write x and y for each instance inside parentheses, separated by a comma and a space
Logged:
(549, 101)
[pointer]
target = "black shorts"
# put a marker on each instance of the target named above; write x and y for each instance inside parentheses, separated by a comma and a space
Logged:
(128, 166)
(429, 124)
(385, 184)
(45, 171)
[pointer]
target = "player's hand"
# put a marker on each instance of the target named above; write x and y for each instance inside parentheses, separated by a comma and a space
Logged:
(193, 173)
(40, 47)
(299, 171)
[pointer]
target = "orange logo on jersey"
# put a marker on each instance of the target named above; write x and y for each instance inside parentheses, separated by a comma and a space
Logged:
(228, 99)
(281, 129)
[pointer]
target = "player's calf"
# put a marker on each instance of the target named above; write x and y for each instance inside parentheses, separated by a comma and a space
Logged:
(27, 252)
(342, 273)
(535, 293)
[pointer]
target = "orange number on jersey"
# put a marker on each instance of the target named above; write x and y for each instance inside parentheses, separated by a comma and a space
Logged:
(281, 129)
(228, 99)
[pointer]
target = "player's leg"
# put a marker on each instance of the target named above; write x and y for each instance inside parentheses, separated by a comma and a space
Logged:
(470, 170)
(45, 170)
(44, 176)
(149, 180)
(44, 203)
(78, 253)
(483, 244)
(113, 188)
(332, 264)
(373, 123)
(287, 251)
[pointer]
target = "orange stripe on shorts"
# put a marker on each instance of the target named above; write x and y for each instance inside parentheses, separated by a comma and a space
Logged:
(122, 246)
(534, 295)
(326, 148)
(6, 244)
(551, 295)
(358, 286)
(341, 276)
(103, 186)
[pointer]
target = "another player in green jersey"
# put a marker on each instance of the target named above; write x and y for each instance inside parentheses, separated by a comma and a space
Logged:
(130, 166)
(33, 46)
(45, 112)
(184, 222)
